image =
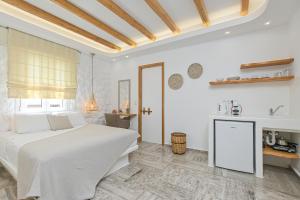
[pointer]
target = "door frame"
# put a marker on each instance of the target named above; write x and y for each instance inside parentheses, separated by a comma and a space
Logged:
(140, 99)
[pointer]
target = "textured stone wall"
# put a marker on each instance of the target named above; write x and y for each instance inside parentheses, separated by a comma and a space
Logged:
(6, 105)
(102, 85)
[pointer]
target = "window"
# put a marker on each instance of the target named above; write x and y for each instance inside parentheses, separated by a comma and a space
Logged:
(45, 105)
(40, 69)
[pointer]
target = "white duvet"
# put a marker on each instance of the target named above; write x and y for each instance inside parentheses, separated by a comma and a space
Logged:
(10, 144)
(50, 174)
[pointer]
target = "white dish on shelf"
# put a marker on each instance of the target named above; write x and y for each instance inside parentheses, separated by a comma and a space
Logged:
(233, 78)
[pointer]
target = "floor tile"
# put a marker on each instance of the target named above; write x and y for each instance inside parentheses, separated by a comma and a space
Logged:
(155, 173)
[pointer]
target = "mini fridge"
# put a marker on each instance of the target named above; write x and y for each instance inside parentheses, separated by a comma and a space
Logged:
(234, 145)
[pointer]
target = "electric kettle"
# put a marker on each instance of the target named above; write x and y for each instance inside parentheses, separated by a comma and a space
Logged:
(236, 108)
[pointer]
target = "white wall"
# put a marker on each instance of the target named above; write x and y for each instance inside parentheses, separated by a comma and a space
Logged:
(294, 39)
(188, 109)
(295, 87)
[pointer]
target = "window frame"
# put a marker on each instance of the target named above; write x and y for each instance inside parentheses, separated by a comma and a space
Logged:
(45, 105)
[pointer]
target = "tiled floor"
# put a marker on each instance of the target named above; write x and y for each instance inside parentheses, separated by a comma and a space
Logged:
(168, 176)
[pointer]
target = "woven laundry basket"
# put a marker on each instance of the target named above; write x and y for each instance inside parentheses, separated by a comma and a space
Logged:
(178, 142)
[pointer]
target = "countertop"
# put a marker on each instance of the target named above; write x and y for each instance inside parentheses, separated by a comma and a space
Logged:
(284, 123)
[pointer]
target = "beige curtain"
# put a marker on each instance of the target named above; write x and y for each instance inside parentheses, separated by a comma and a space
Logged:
(39, 68)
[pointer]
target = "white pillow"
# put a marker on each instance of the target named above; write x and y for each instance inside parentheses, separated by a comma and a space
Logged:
(59, 122)
(26, 123)
(4, 123)
(76, 119)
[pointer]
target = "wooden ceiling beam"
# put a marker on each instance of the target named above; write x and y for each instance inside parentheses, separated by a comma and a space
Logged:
(202, 11)
(93, 20)
(244, 7)
(164, 16)
(115, 8)
(27, 7)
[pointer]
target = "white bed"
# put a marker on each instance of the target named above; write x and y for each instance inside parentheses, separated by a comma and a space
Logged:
(11, 143)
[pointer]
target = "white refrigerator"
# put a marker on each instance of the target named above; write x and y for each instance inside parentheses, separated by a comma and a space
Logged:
(234, 145)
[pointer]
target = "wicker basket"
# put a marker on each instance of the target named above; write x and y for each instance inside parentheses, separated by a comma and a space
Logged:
(178, 142)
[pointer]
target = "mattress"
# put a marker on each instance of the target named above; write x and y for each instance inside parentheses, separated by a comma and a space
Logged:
(10, 144)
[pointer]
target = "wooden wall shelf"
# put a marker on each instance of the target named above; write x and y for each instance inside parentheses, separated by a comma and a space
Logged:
(267, 63)
(271, 152)
(252, 80)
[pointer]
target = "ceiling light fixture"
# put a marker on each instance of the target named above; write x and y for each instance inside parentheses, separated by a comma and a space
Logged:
(91, 105)
(267, 23)
(227, 32)
(126, 56)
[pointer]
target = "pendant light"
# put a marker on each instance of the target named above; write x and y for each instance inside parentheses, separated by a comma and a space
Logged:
(91, 105)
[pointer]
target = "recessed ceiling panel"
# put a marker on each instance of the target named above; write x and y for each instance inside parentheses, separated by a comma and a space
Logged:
(184, 13)
(100, 12)
(145, 15)
(64, 14)
(219, 9)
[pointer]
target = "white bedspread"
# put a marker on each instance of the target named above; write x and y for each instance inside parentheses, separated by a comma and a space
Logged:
(10, 144)
(67, 166)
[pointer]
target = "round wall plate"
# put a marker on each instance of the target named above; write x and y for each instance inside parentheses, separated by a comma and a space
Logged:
(195, 70)
(175, 81)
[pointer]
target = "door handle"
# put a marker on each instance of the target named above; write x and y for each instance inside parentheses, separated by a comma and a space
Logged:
(144, 110)
(149, 111)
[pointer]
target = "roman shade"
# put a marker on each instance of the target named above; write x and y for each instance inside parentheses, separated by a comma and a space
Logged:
(38, 68)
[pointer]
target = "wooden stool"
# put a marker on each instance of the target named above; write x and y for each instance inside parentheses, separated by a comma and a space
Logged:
(178, 142)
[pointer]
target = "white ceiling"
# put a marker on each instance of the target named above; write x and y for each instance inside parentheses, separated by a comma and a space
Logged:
(222, 13)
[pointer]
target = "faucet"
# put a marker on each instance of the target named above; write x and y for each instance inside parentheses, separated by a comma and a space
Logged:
(273, 111)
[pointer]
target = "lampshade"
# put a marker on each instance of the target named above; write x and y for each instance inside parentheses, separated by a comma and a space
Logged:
(91, 105)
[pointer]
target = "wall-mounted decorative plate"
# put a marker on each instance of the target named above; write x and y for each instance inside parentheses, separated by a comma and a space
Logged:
(195, 70)
(175, 81)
